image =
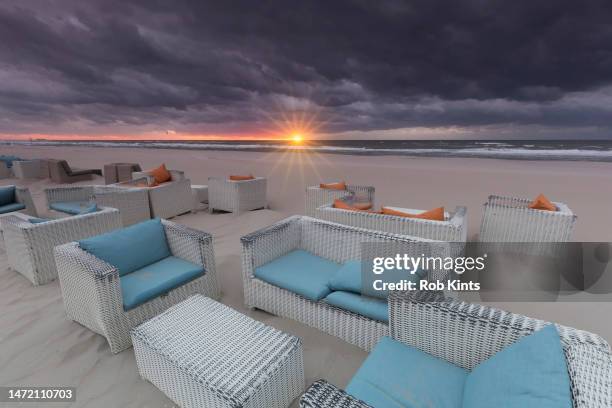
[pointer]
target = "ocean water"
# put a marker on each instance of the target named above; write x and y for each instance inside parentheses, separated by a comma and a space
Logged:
(584, 150)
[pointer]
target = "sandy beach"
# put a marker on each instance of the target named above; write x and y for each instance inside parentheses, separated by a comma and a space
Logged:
(39, 345)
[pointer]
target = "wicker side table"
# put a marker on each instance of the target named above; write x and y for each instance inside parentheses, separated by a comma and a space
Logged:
(201, 353)
(200, 197)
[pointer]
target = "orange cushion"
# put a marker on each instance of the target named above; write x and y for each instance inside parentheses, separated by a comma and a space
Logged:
(161, 174)
(437, 214)
(355, 207)
(542, 203)
(334, 186)
(363, 206)
(241, 178)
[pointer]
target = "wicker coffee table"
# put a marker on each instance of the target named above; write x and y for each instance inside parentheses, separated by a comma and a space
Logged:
(201, 353)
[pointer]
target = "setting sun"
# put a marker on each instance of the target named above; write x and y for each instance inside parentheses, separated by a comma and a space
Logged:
(296, 138)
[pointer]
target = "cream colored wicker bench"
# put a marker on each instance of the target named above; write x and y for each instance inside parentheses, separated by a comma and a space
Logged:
(201, 353)
(317, 196)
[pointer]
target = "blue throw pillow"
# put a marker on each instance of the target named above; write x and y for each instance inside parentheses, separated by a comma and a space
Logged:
(349, 279)
(130, 248)
(7, 195)
(531, 373)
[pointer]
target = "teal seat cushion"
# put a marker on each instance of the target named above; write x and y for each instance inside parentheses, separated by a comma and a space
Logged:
(149, 282)
(35, 220)
(349, 278)
(300, 272)
(7, 208)
(373, 308)
(531, 373)
(399, 376)
(73, 207)
(130, 248)
(7, 195)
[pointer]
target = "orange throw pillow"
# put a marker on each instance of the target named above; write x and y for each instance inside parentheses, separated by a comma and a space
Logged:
(333, 186)
(437, 214)
(542, 203)
(241, 178)
(161, 174)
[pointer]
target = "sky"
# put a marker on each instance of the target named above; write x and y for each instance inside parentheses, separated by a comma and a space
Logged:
(390, 69)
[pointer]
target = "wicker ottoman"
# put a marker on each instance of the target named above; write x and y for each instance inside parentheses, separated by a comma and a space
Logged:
(201, 353)
(200, 197)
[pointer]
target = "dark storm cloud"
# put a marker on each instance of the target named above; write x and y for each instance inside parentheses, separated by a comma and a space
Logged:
(237, 66)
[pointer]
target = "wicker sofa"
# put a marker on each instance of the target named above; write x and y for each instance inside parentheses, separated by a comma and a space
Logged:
(168, 199)
(317, 196)
(110, 300)
(22, 202)
(472, 333)
(132, 203)
(509, 219)
(29, 246)
(31, 169)
(236, 196)
(332, 243)
(452, 229)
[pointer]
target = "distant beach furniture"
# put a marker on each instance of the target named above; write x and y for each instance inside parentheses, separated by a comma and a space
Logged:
(118, 172)
(509, 219)
(452, 229)
(29, 246)
(237, 196)
(132, 203)
(61, 172)
(106, 280)
(166, 200)
(6, 165)
(317, 196)
(286, 252)
(463, 335)
(31, 169)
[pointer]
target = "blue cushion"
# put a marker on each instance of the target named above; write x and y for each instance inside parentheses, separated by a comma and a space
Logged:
(349, 278)
(11, 207)
(300, 272)
(130, 248)
(398, 376)
(91, 208)
(373, 308)
(38, 220)
(156, 279)
(7, 195)
(529, 373)
(71, 207)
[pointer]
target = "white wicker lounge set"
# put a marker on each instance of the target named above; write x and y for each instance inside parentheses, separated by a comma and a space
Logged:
(132, 203)
(29, 246)
(330, 243)
(509, 219)
(452, 229)
(168, 199)
(236, 196)
(201, 353)
(465, 335)
(317, 196)
(95, 292)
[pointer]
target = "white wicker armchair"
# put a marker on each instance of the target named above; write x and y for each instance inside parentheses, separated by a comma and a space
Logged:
(23, 196)
(29, 246)
(452, 229)
(509, 219)
(466, 334)
(168, 199)
(132, 203)
(335, 242)
(92, 293)
(236, 196)
(317, 196)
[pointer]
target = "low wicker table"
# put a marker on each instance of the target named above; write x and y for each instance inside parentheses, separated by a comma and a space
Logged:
(201, 353)
(200, 197)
